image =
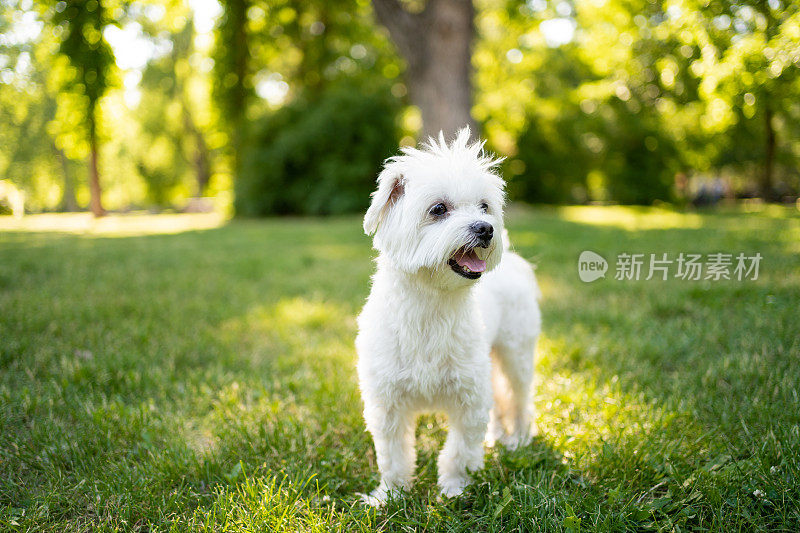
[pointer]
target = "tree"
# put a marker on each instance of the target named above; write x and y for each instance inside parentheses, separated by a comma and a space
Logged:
(437, 46)
(91, 58)
(317, 148)
(575, 112)
(233, 72)
(312, 44)
(318, 156)
(758, 77)
(170, 113)
(640, 92)
(30, 157)
(305, 51)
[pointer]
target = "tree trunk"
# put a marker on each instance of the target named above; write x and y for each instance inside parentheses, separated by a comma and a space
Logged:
(202, 168)
(232, 65)
(200, 157)
(68, 201)
(437, 45)
(767, 191)
(95, 202)
(241, 67)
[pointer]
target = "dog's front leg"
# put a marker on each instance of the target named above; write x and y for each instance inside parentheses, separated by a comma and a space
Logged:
(463, 449)
(393, 434)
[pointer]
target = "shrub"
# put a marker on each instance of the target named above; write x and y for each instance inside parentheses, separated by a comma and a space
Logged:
(317, 156)
(555, 162)
(615, 155)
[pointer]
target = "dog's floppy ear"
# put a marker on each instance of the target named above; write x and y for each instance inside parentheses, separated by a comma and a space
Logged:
(390, 188)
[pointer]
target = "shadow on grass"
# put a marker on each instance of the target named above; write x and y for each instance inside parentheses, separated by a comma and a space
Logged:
(198, 366)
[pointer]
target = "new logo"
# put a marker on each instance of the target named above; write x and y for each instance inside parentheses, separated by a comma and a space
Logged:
(591, 266)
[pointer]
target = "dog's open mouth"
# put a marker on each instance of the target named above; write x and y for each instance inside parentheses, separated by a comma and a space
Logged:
(465, 262)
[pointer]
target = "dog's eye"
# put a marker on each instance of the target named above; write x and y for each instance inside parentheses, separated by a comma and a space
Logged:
(438, 210)
(484, 207)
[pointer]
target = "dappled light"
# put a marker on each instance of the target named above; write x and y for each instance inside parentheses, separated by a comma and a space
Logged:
(183, 187)
(631, 219)
(585, 414)
(278, 107)
(232, 402)
(115, 226)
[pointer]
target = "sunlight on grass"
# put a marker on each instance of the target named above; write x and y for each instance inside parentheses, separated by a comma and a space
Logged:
(127, 225)
(276, 505)
(299, 312)
(199, 381)
(587, 419)
(295, 322)
(767, 210)
(528, 239)
(303, 351)
(630, 218)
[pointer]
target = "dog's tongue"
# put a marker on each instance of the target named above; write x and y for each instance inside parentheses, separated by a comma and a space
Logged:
(471, 261)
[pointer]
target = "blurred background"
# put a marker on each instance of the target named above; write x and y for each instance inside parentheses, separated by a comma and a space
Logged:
(274, 107)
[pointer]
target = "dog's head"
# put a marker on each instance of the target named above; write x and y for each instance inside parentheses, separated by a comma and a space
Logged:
(439, 210)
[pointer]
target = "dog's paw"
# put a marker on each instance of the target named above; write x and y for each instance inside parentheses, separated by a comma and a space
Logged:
(493, 437)
(516, 440)
(372, 500)
(453, 486)
(376, 498)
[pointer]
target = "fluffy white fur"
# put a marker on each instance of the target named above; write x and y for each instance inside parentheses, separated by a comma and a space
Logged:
(430, 339)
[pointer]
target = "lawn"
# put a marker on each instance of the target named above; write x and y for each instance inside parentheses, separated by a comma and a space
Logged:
(181, 373)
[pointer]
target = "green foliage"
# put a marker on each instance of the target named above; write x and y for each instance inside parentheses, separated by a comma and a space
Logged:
(588, 150)
(636, 158)
(319, 155)
(29, 155)
(553, 159)
(206, 381)
(312, 44)
(233, 85)
(307, 46)
(161, 176)
(82, 23)
(748, 64)
(643, 91)
(173, 146)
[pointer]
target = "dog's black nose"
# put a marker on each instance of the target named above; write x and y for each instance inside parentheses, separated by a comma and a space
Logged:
(483, 231)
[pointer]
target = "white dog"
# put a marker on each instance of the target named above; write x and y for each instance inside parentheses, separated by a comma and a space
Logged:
(432, 337)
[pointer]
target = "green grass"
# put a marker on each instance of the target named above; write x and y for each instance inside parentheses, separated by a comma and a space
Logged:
(205, 381)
